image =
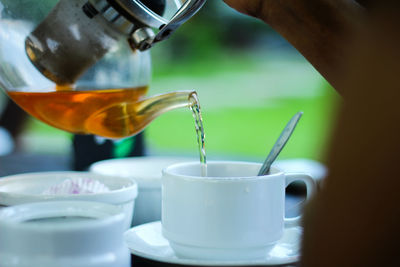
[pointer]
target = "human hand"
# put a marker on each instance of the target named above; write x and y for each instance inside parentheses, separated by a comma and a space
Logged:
(254, 8)
(319, 29)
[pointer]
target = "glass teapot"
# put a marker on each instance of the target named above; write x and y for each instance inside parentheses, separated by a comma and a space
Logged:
(83, 65)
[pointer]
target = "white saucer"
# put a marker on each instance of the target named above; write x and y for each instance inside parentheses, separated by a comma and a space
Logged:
(147, 241)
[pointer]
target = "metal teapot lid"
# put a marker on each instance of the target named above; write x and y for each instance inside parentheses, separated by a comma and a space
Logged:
(136, 18)
(55, 46)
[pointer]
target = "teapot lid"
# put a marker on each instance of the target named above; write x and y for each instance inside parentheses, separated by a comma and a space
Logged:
(135, 18)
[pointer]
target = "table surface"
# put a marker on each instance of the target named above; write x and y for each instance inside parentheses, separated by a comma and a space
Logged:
(142, 262)
(23, 163)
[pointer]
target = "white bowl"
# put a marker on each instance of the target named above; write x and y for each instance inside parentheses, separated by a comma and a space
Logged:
(29, 187)
(63, 234)
(146, 171)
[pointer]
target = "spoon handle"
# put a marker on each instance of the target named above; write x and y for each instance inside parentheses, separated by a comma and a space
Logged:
(280, 143)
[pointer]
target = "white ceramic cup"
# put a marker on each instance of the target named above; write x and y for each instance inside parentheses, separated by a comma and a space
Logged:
(62, 234)
(232, 214)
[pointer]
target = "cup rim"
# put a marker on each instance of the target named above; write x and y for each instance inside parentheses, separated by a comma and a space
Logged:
(171, 170)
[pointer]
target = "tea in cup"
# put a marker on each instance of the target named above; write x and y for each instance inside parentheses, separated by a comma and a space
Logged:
(231, 214)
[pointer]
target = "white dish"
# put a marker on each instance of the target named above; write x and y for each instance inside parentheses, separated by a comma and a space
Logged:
(147, 241)
(146, 171)
(29, 187)
(63, 234)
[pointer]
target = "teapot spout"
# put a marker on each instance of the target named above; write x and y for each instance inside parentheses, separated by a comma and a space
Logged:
(154, 106)
(131, 117)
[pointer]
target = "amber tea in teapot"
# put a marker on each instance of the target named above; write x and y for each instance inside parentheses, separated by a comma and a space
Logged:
(112, 113)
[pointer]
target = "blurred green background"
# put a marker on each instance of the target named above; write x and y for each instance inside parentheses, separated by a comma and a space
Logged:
(250, 82)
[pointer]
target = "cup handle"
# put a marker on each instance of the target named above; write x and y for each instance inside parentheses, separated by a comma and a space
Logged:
(311, 187)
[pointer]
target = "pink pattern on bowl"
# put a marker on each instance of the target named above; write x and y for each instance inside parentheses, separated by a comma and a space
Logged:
(77, 186)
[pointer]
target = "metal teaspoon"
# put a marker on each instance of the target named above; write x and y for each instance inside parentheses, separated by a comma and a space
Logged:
(280, 143)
